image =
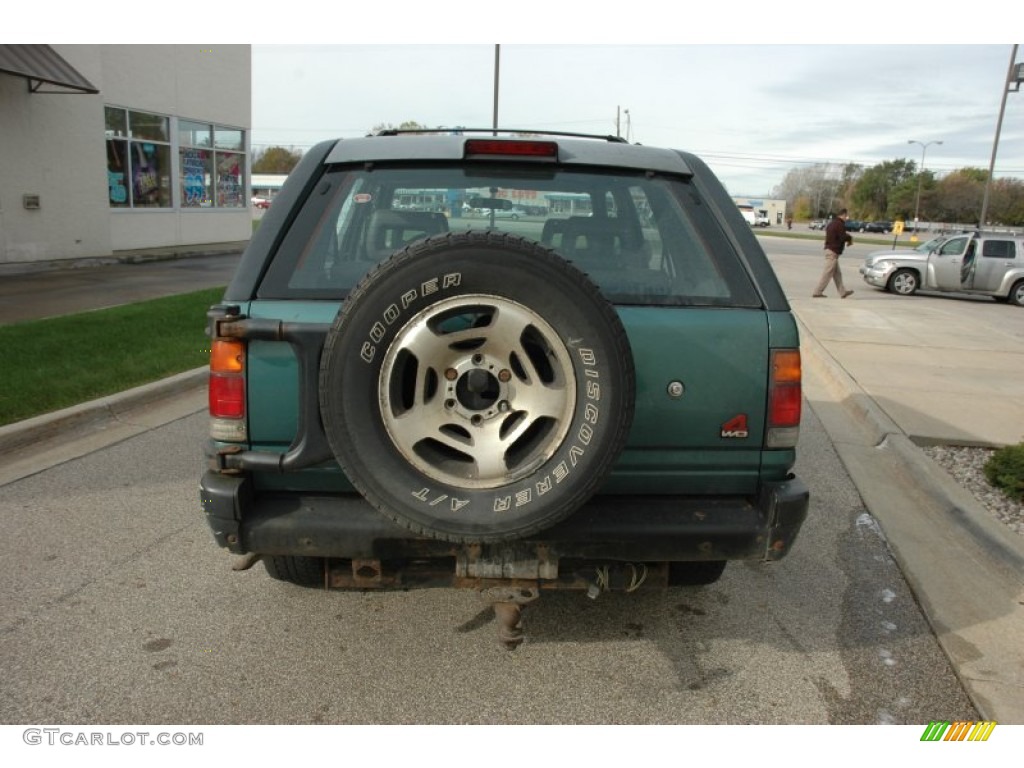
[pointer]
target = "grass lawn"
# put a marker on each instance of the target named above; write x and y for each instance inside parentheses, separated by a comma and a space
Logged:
(881, 239)
(46, 365)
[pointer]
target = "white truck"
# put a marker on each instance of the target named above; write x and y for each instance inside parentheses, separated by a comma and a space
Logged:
(754, 217)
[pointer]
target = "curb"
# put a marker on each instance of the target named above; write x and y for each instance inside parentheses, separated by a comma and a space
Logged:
(965, 568)
(937, 484)
(141, 256)
(21, 434)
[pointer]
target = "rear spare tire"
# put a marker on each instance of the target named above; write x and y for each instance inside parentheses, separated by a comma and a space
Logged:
(476, 387)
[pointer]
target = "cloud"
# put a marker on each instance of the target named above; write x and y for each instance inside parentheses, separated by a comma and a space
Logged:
(753, 111)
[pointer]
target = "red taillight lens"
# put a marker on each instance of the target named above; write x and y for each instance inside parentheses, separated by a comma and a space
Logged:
(499, 147)
(785, 406)
(227, 389)
(227, 396)
(785, 399)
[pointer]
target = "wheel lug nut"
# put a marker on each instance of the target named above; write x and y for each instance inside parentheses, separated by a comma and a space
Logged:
(504, 375)
(449, 404)
(451, 374)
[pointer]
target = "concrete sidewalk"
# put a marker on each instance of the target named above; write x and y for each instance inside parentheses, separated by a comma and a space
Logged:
(38, 291)
(966, 569)
(941, 381)
(884, 377)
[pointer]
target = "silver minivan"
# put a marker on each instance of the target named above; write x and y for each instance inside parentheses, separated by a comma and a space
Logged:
(979, 263)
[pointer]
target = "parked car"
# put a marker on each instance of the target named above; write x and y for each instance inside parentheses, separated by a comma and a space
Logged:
(988, 264)
(509, 213)
(401, 399)
(260, 202)
(877, 226)
(923, 248)
(818, 224)
(500, 207)
(855, 225)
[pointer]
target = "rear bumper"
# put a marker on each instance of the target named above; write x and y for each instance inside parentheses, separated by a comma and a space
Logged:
(615, 528)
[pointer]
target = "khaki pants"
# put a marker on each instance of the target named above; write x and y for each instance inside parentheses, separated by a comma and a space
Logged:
(831, 272)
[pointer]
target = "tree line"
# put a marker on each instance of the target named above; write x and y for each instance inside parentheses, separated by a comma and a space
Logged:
(895, 190)
(890, 191)
(283, 159)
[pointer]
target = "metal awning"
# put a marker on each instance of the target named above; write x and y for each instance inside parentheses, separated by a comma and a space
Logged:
(42, 66)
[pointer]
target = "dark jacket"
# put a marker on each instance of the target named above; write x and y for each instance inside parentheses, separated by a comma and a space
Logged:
(836, 236)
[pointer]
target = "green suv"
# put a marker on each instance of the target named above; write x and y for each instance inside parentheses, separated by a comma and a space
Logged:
(410, 388)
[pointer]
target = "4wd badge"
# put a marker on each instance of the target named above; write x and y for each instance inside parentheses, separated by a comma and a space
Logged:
(736, 427)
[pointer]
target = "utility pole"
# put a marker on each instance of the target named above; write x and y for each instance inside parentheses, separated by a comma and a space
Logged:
(920, 178)
(618, 122)
(497, 68)
(1014, 77)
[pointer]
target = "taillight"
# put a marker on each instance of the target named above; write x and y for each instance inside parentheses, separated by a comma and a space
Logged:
(785, 399)
(227, 390)
(510, 148)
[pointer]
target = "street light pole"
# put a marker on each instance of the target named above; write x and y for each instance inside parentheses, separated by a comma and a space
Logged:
(1013, 80)
(920, 178)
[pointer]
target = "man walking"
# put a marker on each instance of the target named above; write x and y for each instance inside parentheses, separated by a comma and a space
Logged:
(836, 239)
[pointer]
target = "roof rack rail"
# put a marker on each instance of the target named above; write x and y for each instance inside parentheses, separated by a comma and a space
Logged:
(522, 132)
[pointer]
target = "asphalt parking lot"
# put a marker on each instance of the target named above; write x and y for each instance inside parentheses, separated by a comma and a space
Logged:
(883, 380)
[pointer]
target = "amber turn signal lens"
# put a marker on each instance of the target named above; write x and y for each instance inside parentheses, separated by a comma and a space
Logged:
(227, 356)
(786, 366)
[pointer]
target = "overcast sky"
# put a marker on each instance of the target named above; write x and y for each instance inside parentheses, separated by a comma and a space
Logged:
(694, 76)
(752, 111)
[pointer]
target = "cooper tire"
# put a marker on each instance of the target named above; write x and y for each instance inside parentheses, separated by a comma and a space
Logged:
(476, 387)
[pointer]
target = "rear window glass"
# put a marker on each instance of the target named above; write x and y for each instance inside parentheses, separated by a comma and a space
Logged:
(998, 249)
(643, 240)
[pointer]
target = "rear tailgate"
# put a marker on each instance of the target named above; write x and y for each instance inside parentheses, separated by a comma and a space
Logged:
(708, 439)
(701, 400)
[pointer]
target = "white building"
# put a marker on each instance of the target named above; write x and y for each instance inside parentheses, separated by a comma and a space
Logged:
(773, 210)
(267, 185)
(105, 148)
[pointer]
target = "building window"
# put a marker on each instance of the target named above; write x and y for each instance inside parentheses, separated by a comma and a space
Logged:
(138, 159)
(210, 164)
(195, 157)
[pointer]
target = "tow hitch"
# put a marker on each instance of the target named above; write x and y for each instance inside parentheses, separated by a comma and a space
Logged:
(508, 604)
(508, 596)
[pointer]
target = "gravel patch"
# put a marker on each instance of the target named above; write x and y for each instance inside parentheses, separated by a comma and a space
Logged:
(965, 465)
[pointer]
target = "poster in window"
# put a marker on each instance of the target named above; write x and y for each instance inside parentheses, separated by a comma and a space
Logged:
(150, 175)
(195, 178)
(145, 175)
(229, 180)
(117, 174)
